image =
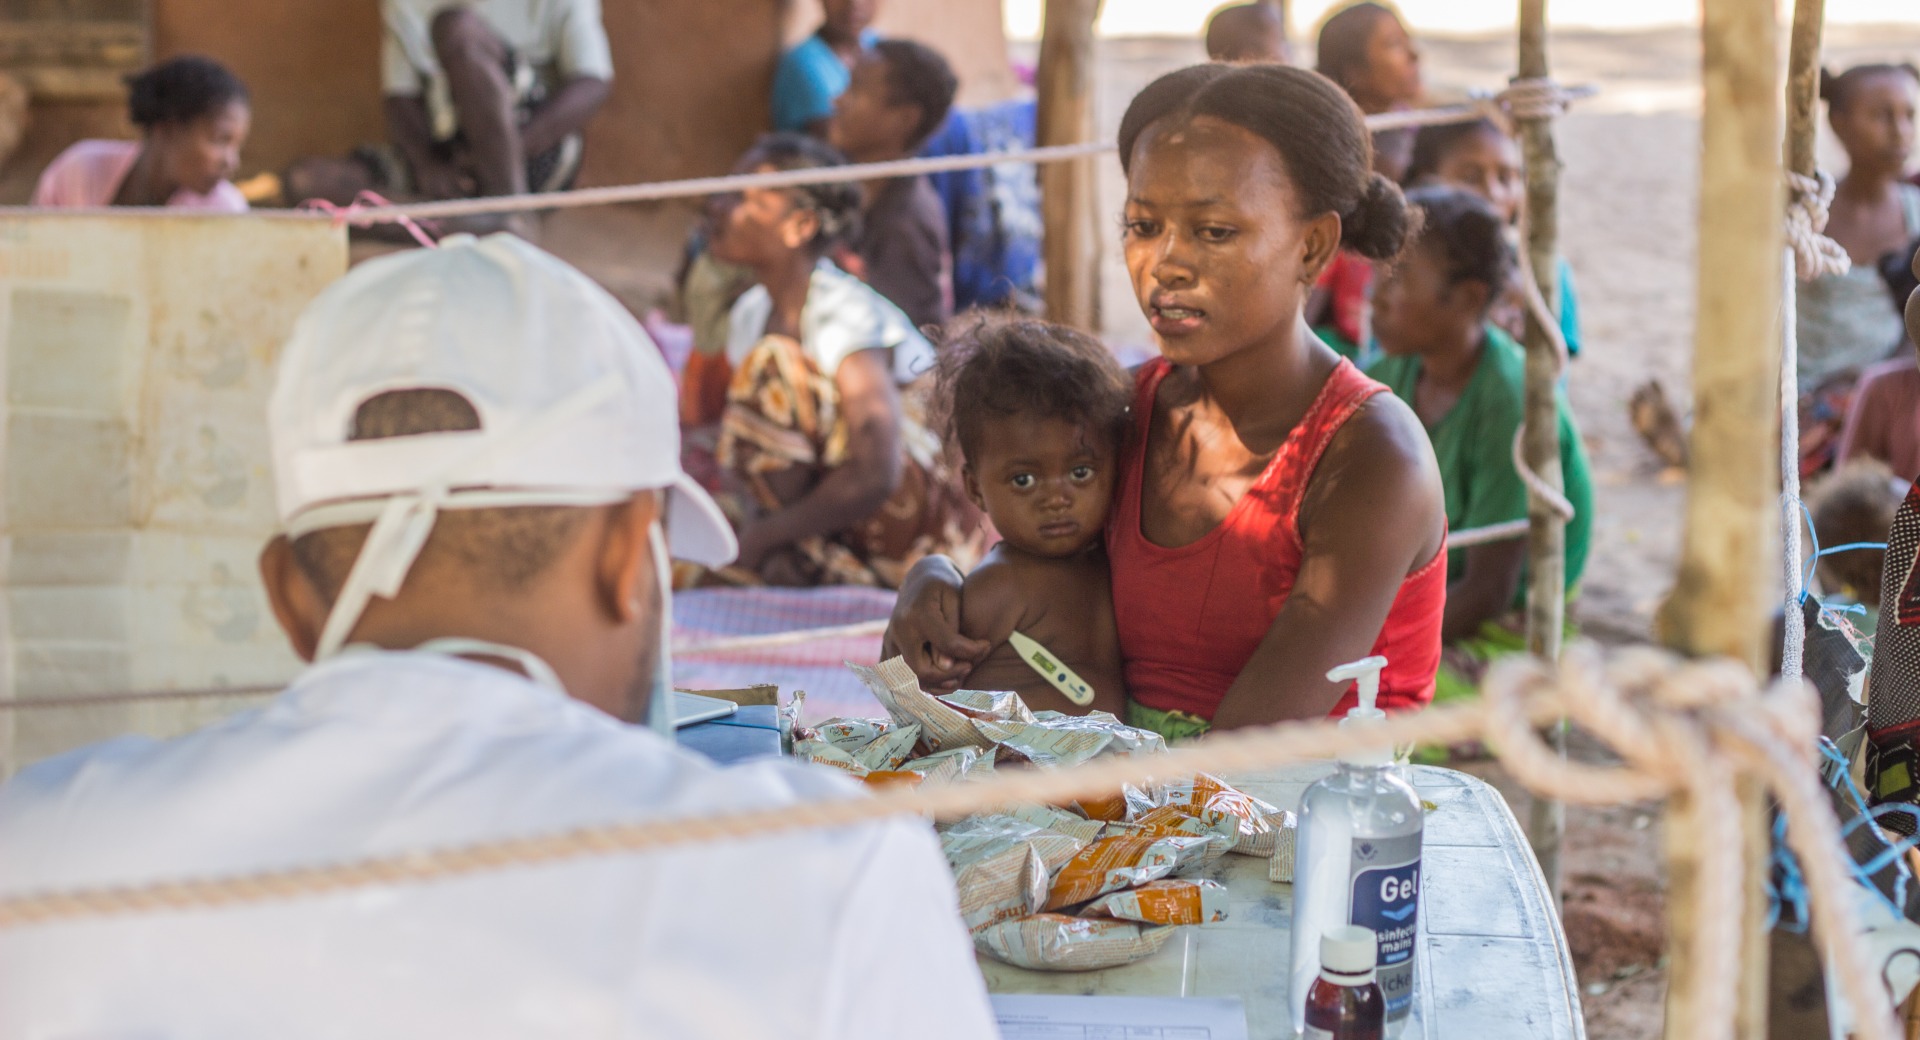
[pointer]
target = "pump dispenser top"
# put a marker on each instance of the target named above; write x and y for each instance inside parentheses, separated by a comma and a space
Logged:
(1366, 674)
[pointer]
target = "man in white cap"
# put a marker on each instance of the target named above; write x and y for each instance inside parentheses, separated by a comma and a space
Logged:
(475, 451)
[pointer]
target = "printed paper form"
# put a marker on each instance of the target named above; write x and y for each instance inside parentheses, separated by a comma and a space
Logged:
(1029, 1016)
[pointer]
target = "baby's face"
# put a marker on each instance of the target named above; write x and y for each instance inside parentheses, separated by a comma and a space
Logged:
(1046, 483)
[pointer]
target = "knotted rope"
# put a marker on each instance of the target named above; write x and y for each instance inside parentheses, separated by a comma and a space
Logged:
(1681, 728)
(1535, 98)
(1814, 254)
(361, 203)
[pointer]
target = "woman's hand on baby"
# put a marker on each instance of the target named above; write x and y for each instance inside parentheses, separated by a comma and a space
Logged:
(925, 627)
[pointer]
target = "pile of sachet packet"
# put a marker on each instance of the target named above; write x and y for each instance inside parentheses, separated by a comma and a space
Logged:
(1093, 884)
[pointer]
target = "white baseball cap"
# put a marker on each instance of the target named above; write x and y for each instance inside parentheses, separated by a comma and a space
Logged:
(576, 407)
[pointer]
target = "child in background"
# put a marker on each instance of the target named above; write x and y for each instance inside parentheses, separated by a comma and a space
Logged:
(815, 72)
(1038, 411)
(193, 116)
(1366, 49)
(1249, 32)
(1844, 322)
(1465, 378)
(1483, 158)
(899, 94)
(1855, 504)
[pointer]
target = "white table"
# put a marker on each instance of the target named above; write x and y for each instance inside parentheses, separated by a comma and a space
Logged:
(1492, 960)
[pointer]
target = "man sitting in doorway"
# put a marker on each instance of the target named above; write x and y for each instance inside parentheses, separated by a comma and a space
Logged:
(818, 69)
(899, 95)
(478, 483)
(483, 97)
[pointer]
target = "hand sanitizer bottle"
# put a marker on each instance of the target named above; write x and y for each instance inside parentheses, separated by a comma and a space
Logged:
(1358, 860)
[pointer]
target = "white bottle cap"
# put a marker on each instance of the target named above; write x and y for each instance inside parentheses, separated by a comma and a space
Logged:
(1366, 672)
(1349, 950)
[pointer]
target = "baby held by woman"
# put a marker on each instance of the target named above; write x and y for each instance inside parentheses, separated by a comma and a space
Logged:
(1038, 410)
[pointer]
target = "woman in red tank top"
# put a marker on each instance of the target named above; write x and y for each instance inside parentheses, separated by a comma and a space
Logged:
(1276, 513)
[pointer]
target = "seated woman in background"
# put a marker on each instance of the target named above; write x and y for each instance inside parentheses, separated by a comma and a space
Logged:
(1844, 321)
(831, 482)
(1465, 378)
(1366, 49)
(1883, 419)
(1481, 157)
(193, 117)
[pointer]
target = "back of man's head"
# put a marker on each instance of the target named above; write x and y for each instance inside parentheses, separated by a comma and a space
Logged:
(475, 551)
(918, 75)
(1248, 32)
(472, 442)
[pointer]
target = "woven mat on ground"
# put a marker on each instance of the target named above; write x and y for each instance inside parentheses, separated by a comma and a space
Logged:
(704, 615)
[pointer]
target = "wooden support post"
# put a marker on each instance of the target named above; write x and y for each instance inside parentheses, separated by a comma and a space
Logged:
(1547, 533)
(1803, 85)
(1723, 594)
(1069, 197)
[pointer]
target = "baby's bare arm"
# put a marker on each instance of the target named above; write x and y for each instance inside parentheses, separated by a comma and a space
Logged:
(993, 601)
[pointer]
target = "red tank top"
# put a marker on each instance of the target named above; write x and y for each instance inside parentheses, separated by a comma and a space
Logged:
(1190, 618)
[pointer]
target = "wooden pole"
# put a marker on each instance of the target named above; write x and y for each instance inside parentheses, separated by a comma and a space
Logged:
(1546, 533)
(1069, 197)
(1803, 84)
(1723, 594)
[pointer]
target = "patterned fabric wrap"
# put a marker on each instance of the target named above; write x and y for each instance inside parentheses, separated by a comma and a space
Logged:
(1893, 697)
(783, 414)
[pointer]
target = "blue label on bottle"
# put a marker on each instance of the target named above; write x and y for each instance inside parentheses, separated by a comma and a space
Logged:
(1386, 898)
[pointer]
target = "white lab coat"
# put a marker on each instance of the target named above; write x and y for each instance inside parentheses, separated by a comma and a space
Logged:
(831, 934)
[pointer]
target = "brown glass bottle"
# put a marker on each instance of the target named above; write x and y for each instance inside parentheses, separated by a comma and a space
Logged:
(1345, 1002)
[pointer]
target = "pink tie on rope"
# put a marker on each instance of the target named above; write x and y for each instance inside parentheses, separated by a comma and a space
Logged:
(366, 199)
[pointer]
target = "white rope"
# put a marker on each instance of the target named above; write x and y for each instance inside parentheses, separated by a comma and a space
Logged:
(1793, 646)
(712, 648)
(1532, 99)
(1679, 728)
(703, 186)
(775, 640)
(1440, 115)
(1814, 254)
(1473, 536)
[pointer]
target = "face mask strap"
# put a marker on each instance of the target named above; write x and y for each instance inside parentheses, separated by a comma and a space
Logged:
(660, 703)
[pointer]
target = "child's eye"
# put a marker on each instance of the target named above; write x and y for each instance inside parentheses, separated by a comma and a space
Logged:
(1082, 474)
(1023, 481)
(1215, 235)
(1140, 228)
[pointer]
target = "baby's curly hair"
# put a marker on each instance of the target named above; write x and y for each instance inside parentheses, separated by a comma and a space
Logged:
(994, 367)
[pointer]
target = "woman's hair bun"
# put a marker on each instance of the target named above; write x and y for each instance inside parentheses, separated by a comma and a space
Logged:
(1381, 222)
